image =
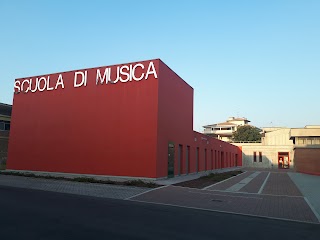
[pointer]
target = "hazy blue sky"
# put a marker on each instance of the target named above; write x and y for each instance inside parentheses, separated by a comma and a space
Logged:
(254, 59)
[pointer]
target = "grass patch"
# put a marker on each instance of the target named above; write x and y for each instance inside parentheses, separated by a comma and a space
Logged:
(221, 176)
(140, 183)
(208, 180)
(135, 183)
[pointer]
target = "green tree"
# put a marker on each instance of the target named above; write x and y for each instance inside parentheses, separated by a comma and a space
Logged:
(247, 133)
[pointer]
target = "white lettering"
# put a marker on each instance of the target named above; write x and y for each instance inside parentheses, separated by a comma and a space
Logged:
(22, 84)
(17, 87)
(83, 80)
(35, 85)
(48, 85)
(124, 73)
(59, 82)
(109, 76)
(100, 79)
(44, 86)
(133, 72)
(153, 71)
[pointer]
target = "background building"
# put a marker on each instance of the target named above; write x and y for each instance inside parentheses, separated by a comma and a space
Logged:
(285, 148)
(5, 118)
(306, 149)
(224, 131)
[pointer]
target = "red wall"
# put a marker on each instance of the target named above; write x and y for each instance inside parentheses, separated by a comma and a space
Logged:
(307, 160)
(98, 129)
(175, 124)
(120, 129)
(175, 116)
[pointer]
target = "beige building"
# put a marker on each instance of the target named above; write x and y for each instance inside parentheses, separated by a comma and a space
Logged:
(278, 147)
(224, 131)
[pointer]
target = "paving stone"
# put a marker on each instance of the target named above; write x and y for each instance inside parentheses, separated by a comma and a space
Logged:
(255, 184)
(282, 207)
(281, 184)
(89, 189)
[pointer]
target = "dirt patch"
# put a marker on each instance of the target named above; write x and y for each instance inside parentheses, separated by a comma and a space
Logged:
(135, 183)
(208, 180)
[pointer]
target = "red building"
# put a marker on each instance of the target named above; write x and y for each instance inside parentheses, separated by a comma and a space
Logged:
(133, 119)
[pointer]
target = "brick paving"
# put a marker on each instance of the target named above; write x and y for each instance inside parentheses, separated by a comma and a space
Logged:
(255, 184)
(282, 207)
(281, 184)
(88, 189)
(230, 182)
(280, 197)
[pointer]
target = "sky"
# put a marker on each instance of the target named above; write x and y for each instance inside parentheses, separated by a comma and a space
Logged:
(254, 59)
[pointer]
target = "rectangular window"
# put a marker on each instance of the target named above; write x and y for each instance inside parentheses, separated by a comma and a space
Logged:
(260, 156)
(2, 127)
(254, 157)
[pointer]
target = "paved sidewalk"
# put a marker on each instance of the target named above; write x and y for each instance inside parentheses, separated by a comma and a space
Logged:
(88, 189)
(309, 186)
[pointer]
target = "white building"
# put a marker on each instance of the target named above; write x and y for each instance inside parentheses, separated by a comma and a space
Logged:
(225, 130)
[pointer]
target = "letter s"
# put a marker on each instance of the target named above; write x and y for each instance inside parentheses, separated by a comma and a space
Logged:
(17, 87)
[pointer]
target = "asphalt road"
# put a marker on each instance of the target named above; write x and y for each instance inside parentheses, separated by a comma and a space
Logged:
(33, 214)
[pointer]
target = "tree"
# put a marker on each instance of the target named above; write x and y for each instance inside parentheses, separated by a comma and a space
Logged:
(247, 133)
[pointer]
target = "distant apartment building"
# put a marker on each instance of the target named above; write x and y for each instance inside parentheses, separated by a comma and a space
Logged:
(224, 131)
(285, 148)
(5, 118)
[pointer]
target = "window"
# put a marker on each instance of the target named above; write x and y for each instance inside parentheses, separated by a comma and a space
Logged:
(254, 157)
(4, 125)
(260, 156)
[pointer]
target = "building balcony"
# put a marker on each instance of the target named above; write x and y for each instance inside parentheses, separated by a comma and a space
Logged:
(219, 132)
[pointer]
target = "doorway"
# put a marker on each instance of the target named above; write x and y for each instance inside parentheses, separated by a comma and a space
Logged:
(170, 159)
(283, 160)
(188, 160)
(197, 159)
(222, 160)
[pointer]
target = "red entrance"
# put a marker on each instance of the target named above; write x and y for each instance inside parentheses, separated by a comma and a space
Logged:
(283, 160)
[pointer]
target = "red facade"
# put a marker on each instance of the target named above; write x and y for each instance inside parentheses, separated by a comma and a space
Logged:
(118, 129)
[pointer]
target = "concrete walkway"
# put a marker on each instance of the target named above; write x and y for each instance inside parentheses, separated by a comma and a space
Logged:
(309, 186)
(88, 189)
